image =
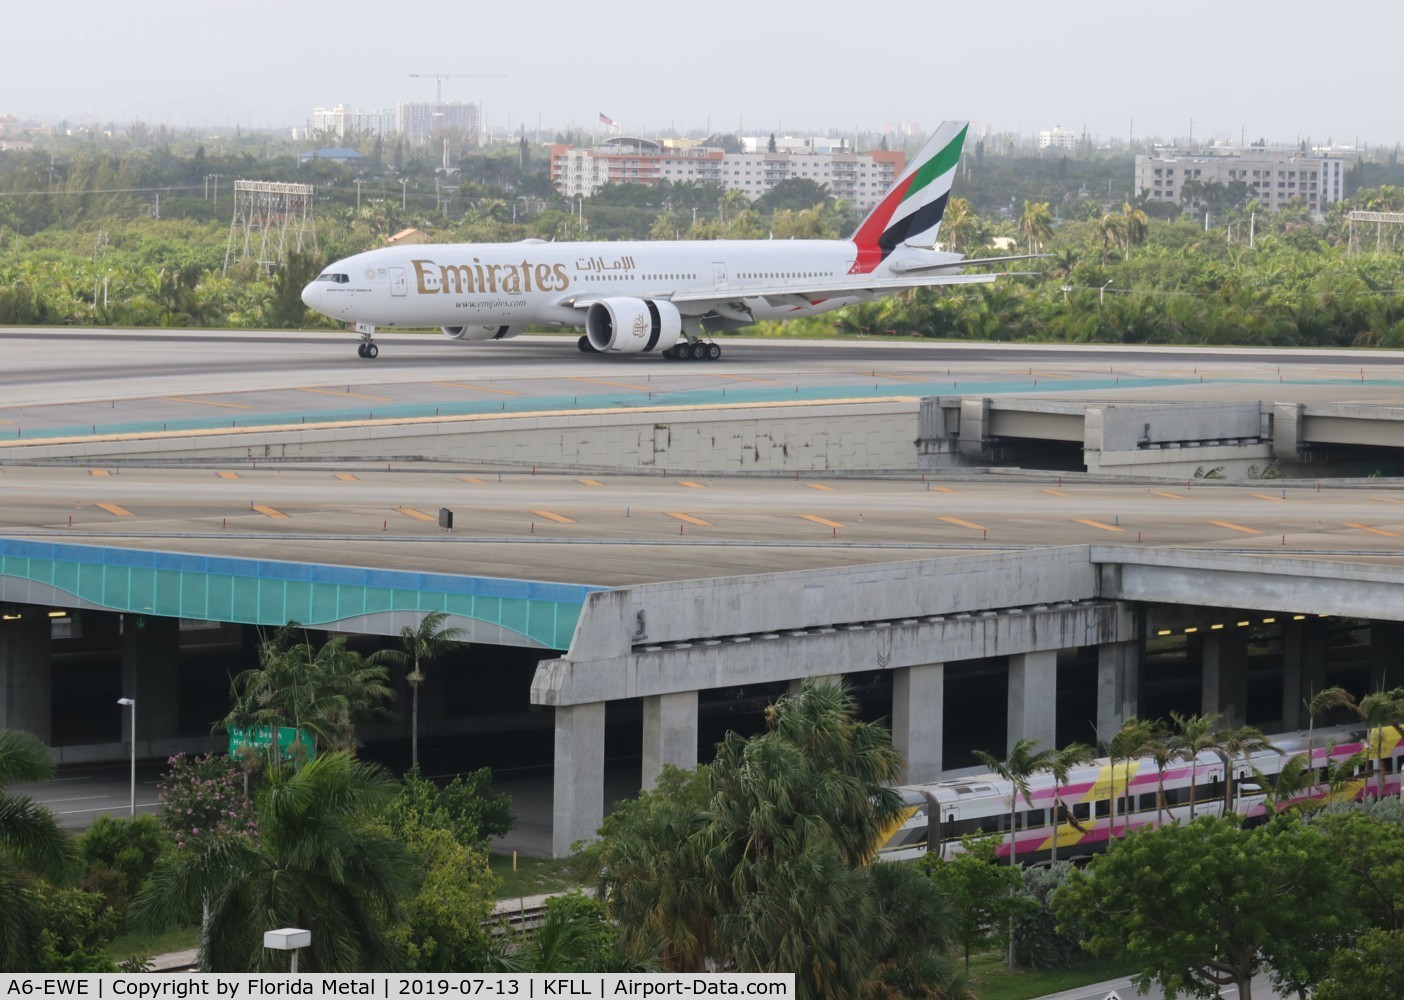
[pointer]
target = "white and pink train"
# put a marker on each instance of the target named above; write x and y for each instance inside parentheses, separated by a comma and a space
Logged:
(1097, 804)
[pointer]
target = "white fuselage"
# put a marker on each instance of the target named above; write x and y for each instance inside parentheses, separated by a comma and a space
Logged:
(538, 284)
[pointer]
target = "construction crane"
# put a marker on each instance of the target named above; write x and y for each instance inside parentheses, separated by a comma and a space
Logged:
(439, 79)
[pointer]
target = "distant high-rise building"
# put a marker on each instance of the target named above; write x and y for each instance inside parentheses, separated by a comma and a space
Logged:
(861, 179)
(1274, 177)
(1057, 137)
(417, 121)
(339, 121)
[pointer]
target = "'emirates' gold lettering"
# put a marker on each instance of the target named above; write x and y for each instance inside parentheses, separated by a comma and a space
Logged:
(433, 278)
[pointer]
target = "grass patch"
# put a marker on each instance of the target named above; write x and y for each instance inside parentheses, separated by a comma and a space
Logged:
(133, 943)
(535, 876)
(992, 980)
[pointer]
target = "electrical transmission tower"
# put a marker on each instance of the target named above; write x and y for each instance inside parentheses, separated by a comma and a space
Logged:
(274, 220)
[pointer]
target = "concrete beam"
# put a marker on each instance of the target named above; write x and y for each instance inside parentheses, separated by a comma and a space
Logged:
(1263, 582)
(1118, 686)
(775, 656)
(1224, 676)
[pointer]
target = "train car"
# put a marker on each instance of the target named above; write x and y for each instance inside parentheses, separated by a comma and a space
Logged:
(1100, 801)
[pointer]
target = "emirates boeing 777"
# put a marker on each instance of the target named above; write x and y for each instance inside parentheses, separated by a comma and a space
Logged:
(665, 296)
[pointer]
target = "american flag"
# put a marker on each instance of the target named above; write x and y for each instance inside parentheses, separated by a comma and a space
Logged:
(606, 119)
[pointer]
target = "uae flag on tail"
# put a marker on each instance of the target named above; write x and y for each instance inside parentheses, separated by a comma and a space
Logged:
(606, 119)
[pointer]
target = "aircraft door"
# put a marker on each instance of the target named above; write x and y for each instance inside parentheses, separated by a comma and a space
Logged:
(719, 274)
(399, 285)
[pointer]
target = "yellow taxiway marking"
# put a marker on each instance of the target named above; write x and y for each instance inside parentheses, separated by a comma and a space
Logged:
(1168, 496)
(418, 515)
(268, 511)
(820, 486)
(112, 508)
(941, 489)
(1266, 496)
(352, 395)
(346, 477)
(1374, 531)
(589, 482)
(963, 524)
(1097, 524)
(1056, 493)
(1387, 499)
(472, 479)
(1236, 527)
(690, 484)
(689, 518)
(98, 472)
(1049, 375)
(478, 388)
(206, 402)
(227, 475)
(605, 381)
(551, 516)
(823, 520)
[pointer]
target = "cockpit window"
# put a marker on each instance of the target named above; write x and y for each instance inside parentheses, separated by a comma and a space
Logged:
(339, 279)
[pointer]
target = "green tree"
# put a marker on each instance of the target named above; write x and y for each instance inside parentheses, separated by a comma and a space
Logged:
(320, 860)
(1059, 766)
(576, 936)
(1205, 905)
(982, 894)
(1035, 224)
(1372, 968)
(441, 928)
(1130, 743)
(1196, 734)
(759, 862)
(467, 807)
(31, 846)
(421, 645)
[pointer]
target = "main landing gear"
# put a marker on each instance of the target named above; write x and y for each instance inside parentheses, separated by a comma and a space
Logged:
(694, 351)
(585, 346)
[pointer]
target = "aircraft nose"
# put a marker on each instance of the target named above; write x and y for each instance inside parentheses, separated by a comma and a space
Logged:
(310, 297)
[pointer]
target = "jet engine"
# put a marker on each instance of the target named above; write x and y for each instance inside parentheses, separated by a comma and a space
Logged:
(632, 326)
(480, 332)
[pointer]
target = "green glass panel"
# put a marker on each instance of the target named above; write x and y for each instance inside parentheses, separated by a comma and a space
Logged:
(65, 577)
(194, 593)
(297, 602)
(324, 603)
(272, 607)
(377, 599)
(219, 599)
(167, 592)
(514, 614)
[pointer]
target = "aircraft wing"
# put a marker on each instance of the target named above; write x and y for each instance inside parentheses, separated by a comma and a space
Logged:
(799, 295)
(913, 267)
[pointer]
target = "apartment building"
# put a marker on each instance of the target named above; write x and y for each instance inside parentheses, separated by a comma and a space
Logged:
(858, 178)
(1274, 177)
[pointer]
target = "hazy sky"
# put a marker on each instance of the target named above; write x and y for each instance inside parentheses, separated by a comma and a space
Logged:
(1279, 70)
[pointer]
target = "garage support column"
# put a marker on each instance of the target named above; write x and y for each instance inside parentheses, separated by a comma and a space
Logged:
(1118, 686)
(151, 675)
(26, 678)
(918, 714)
(1303, 668)
(1224, 678)
(669, 733)
(1386, 639)
(578, 808)
(1033, 698)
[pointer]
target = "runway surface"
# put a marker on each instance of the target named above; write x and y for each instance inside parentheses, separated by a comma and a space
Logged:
(617, 530)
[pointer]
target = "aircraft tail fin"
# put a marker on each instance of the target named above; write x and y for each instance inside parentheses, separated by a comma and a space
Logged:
(911, 211)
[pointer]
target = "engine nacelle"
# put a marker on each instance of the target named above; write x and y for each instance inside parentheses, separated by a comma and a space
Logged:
(632, 326)
(480, 332)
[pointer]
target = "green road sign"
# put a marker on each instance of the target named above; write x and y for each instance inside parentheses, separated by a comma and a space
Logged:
(292, 743)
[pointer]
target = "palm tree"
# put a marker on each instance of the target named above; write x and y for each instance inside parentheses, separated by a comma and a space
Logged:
(319, 861)
(1129, 743)
(1196, 735)
(1327, 700)
(1295, 777)
(1017, 769)
(1036, 224)
(1060, 765)
(421, 645)
(31, 844)
(1240, 742)
(1378, 711)
(1133, 225)
(959, 225)
(1163, 749)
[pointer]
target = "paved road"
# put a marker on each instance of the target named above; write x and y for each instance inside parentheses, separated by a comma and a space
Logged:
(1121, 989)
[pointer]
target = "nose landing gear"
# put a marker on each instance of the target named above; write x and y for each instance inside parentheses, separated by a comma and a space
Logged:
(366, 348)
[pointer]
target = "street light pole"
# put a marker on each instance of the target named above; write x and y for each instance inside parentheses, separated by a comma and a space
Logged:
(131, 703)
